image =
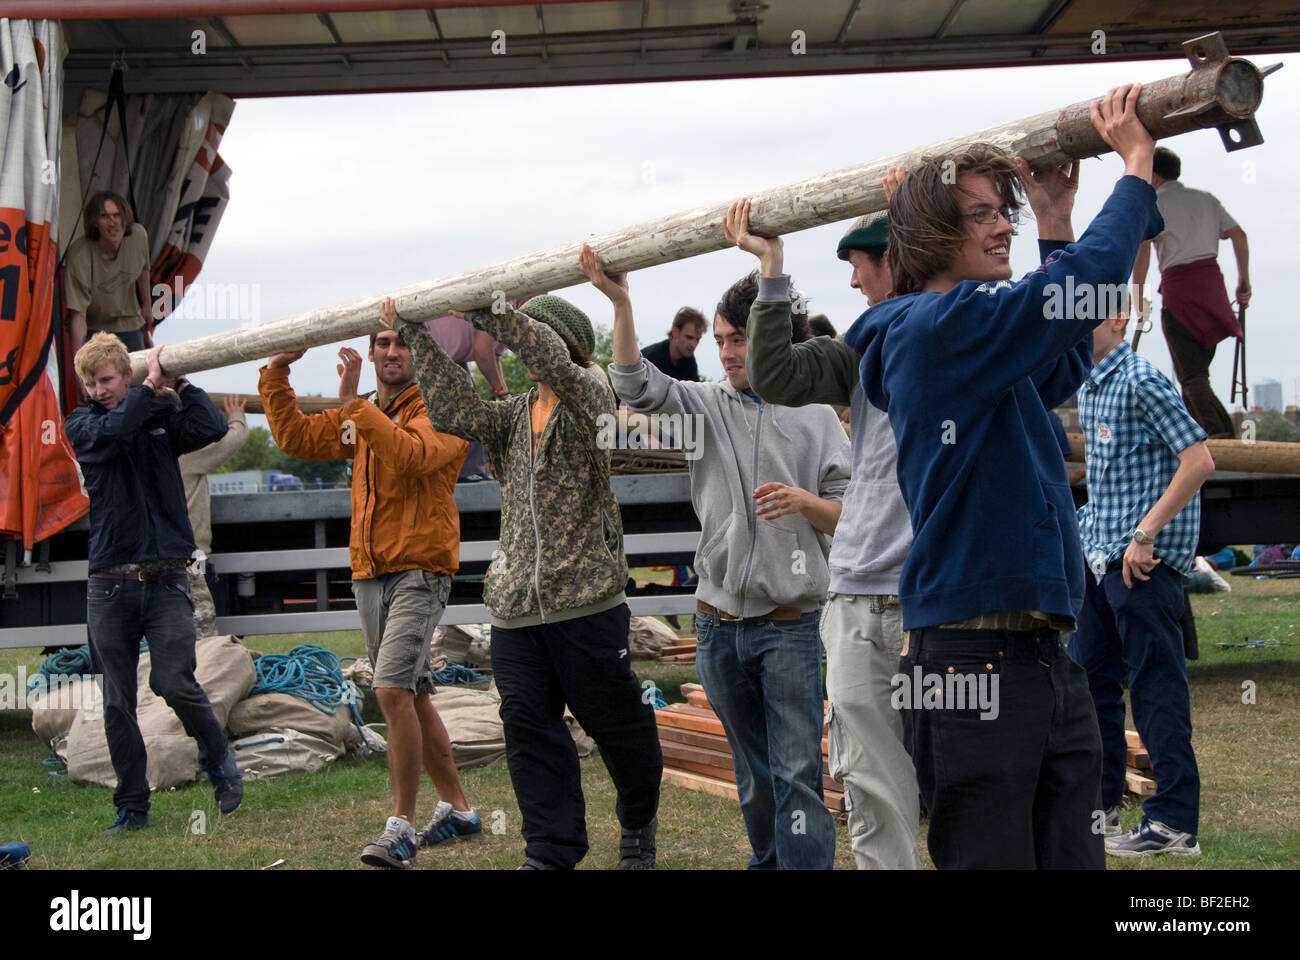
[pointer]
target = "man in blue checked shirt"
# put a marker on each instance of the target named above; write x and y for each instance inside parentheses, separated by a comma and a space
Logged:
(1146, 461)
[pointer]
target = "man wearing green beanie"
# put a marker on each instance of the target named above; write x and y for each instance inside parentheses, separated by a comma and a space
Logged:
(862, 623)
(555, 587)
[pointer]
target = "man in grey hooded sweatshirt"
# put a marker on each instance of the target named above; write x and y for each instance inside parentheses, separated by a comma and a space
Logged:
(862, 625)
(766, 482)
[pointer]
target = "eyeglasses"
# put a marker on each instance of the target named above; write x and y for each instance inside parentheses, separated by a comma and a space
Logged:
(987, 214)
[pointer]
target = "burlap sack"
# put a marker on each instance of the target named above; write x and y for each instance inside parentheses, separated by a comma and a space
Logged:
(54, 710)
(281, 711)
(225, 671)
(469, 645)
(269, 753)
(473, 724)
(646, 636)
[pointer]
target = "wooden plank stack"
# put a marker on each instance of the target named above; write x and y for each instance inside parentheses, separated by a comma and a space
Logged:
(683, 652)
(698, 757)
(1137, 775)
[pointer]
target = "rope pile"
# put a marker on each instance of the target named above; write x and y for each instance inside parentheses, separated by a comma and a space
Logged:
(455, 673)
(310, 673)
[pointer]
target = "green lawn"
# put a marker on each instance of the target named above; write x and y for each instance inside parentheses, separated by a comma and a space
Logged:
(1249, 755)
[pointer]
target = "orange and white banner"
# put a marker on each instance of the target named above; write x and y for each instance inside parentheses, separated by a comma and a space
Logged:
(40, 487)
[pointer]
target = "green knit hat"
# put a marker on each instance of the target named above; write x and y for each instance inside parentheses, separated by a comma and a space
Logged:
(869, 233)
(565, 319)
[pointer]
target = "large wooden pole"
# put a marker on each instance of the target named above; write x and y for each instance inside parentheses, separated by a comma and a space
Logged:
(1220, 91)
(1240, 456)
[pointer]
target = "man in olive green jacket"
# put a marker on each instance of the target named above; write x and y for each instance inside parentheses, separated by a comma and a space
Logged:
(555, 587)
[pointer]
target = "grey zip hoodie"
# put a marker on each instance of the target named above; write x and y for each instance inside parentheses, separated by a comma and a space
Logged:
(874, 533)
(749, 565)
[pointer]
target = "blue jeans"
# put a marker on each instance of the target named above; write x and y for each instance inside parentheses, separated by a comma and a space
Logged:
(118, 614)
(763, 679)
(1137, 635)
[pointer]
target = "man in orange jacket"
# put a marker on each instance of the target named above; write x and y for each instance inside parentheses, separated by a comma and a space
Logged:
(404, 548)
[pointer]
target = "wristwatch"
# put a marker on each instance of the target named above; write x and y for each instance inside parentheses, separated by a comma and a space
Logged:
(1142, 538)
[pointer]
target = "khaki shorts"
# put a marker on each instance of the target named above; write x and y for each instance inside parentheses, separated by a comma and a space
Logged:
(399, 612)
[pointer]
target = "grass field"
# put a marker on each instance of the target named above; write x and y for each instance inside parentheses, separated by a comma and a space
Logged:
(1249, 756)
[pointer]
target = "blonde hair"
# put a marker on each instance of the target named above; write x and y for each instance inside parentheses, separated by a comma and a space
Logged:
(100, 349)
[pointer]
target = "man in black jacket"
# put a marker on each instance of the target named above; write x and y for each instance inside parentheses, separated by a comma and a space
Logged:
(127, 440)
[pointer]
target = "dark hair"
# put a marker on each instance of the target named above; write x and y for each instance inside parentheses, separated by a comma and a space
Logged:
(876, 254)
(926, 227)
(740, 296)
(820, 326)
(692, 316)
(1166, 164)
(95, 206)
(398, 330)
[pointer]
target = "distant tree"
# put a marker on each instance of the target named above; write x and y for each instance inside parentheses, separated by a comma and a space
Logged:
(1271, 425)
(309, 471)
(259, 452)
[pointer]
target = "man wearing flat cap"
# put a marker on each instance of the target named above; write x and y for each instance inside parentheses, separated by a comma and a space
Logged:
(862, 623)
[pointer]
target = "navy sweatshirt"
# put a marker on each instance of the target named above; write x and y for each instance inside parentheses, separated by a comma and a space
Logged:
(128, 460)
(969, 379)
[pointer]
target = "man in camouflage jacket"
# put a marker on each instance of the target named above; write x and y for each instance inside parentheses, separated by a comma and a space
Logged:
(555, 586)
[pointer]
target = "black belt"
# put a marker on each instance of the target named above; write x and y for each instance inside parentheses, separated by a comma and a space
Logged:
(148, 573)
(780, 613)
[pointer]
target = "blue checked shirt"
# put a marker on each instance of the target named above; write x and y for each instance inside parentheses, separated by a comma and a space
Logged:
(1134, 425)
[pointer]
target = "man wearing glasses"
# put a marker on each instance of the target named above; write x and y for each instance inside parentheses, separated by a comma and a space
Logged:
(968, 366)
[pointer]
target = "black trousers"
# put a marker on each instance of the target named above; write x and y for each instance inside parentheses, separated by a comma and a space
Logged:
(1010, 772)
(1192, 369)
(118, 613)
(585, 663)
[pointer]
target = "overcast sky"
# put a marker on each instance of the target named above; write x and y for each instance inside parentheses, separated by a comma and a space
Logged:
(339, 197)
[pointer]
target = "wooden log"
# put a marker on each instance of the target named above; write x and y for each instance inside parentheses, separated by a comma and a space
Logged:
(667, 717)
(698, 698)
(1261, 456)
(1135, 781)
(711, 741)
(1219, 90)
(253, 402)
(1133, 740)
(695, 781)
(693, 738)
(677, 658)
(677, 648)
(722, 788)
(1138, 759)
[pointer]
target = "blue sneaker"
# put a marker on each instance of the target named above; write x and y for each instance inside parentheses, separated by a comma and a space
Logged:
(14, 855)
(395, 847)
(127, 820)
(1150, 839)
(448, 824)
(227, 784)
(1110, 823)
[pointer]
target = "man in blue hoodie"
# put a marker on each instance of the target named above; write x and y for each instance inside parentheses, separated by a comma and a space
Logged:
(968, 366)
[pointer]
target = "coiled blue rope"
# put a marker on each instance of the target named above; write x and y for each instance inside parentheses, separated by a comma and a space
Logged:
(310, 673)
(67, 662)
(454, 673)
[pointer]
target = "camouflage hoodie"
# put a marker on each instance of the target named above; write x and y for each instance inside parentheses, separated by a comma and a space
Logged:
(561, 551)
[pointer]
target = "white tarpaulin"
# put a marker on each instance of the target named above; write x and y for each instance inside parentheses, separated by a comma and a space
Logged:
(181, 184)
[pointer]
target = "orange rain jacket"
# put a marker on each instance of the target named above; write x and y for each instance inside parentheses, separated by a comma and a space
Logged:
(404, 473)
